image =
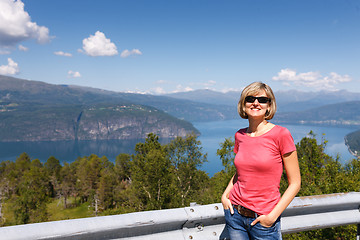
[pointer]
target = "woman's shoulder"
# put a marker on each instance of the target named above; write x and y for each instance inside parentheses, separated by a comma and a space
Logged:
(281, 130)
(242, 130)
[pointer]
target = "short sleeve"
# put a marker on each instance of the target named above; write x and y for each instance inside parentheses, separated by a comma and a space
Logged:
(236, 145)
(286, 142)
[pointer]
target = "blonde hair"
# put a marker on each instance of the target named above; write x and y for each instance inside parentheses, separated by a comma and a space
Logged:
(253, 89)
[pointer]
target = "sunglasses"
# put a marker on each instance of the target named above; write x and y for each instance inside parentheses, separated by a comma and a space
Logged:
(251, 99)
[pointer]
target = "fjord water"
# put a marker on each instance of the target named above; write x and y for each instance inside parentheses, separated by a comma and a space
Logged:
(212, 134)
(66, 151)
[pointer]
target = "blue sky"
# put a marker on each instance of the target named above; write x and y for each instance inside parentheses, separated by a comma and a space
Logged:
(169, 46)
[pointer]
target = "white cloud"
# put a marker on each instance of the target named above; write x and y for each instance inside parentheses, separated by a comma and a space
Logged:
(98, 45)
(230, 89)
(310, 79)
(158, 90)
(16, 25)
(168, 88)
(72, 74)
(180, 88)
(138, 91)
(23, 48)
(61, 53)
(126, 53)
(11, 69)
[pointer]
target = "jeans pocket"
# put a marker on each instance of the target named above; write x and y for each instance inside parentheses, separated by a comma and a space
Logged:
(262, 232)
(273, 227)
(265, 226)
(227, 215)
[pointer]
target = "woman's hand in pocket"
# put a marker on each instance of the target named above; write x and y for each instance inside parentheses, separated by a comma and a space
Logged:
(227, 204)
(264, 221)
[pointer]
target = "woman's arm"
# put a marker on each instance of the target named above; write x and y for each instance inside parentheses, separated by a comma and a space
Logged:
(291, 166)
(225, 197)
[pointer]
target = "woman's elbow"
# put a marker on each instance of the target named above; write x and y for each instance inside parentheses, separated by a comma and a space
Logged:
(297, 185)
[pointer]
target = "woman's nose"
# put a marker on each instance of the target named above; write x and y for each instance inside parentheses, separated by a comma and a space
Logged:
(256, 102)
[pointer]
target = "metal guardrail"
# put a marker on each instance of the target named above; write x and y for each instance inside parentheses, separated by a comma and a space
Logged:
(194, 222)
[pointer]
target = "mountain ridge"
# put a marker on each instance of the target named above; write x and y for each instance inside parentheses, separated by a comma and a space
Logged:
(337, 114)
(288, 101)
(37, 111)
(45, 93)
(31, 95)
(179, 105)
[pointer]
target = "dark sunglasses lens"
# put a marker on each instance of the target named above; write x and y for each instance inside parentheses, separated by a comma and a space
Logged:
(250, 99)
(263, 99)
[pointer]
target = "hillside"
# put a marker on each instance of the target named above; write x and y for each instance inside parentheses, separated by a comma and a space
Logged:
(93, 122)
(352, 140)
(287, 101)
(27, 91)
(36, 111)
(184, 109)
(341, 114)
(208, 96)
(339, 108)
(35, 92)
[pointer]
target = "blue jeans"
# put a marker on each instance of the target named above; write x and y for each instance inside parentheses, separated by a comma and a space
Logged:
(239, 228)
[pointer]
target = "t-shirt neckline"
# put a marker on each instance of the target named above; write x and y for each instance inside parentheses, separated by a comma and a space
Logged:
(245, 129)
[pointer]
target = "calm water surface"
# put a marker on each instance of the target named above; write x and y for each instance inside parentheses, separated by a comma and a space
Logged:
(212, 134)
(67, 151)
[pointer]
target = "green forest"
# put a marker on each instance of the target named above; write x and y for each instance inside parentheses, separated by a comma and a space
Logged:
(157, 176)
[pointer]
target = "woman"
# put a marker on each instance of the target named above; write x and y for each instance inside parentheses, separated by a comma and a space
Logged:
(252, 201)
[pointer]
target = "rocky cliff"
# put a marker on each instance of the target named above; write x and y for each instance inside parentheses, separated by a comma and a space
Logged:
(96, 122)
(111, 122)
(37, 111)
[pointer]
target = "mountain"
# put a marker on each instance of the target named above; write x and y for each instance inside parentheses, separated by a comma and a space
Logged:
(185, 109)
(293, 101)
(37, 111)
(76, 113)
(208, 96)
(36, 92)
(287, 101)
(340, 108)
(89, 122)
(345, 114)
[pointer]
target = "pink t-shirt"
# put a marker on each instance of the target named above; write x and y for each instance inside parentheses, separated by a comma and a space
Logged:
(259, 167)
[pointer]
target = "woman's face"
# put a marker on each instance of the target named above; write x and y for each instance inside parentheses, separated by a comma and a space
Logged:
(256, 109)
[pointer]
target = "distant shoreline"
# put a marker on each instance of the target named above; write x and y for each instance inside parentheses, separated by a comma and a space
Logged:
(331, 123)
